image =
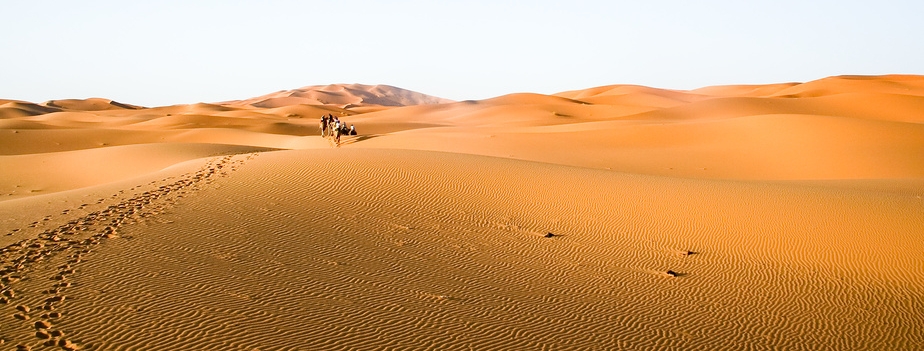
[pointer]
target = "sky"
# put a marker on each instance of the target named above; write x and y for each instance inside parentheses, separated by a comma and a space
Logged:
(155, 53)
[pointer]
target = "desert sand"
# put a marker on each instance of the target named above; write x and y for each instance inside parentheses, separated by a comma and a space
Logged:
(753, 217)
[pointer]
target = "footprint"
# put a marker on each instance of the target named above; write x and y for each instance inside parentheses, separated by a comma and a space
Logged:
(67, 345)
(672, 274)
(57, 298)
(52, 315)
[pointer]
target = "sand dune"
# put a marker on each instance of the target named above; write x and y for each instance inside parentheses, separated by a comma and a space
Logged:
(633, 95)
(762, 90)
(891, 84)
(96, 166)
(13, 109)
(91, 104)
(781, 216)
(343, 95)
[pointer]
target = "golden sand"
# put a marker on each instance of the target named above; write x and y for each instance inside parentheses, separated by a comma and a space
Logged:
(784, 216)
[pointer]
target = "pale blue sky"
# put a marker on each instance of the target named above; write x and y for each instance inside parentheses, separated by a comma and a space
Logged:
(170, 52)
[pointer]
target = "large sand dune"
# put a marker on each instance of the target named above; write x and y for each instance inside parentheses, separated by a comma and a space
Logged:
(784, 216)
(344, 95)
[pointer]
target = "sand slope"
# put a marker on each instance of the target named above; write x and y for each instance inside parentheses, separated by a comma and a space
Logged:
(784, 216)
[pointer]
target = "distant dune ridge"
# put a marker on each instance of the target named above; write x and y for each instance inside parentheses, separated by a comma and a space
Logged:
(343, 96)
(622, 217)
(92, 104)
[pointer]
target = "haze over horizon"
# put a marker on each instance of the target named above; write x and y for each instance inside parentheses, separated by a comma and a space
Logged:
(175, 52)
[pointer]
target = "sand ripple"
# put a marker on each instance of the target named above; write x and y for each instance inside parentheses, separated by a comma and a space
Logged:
(338, 250)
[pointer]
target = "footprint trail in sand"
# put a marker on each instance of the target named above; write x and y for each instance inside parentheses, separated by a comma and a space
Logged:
(36, 273)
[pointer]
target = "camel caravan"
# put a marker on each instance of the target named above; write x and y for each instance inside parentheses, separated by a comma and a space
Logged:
(332, 127)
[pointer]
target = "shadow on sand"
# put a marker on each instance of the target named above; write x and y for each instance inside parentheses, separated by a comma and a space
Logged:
(347, 140)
